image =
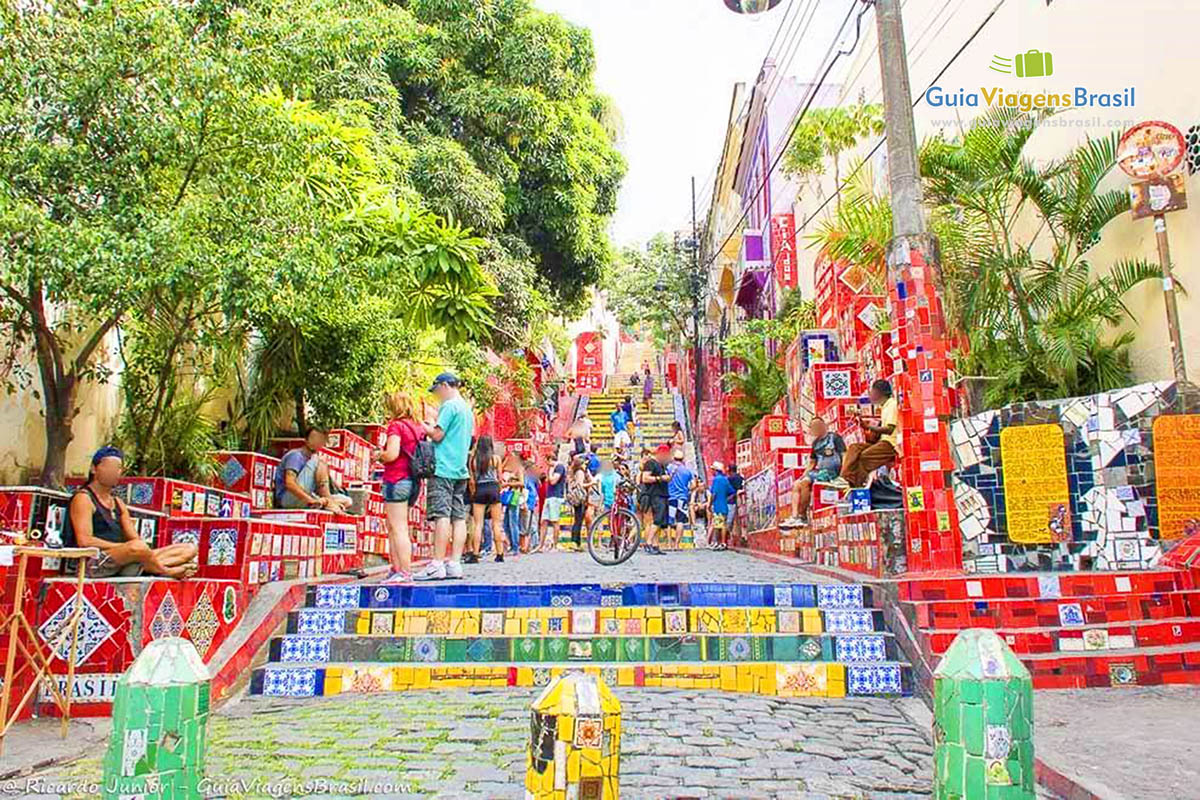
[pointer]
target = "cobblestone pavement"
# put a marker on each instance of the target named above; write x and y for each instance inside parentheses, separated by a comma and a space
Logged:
(453, 745)
(677, 567)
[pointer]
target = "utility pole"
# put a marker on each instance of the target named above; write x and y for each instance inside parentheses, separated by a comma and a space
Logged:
(1178, 362)
(915, 288)
(695, 285)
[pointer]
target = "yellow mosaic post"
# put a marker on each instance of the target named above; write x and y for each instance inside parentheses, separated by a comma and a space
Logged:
(574, 741)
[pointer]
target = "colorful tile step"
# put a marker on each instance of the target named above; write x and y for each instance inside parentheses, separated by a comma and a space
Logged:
(783, 680)
(560, 595)
(1147, 666)
(1144, 633)
(729, 648)
(1045, 585)
(628, 621)
(1041, 613)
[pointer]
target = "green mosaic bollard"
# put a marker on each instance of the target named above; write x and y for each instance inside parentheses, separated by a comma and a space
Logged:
(982, 722)
(160, 718)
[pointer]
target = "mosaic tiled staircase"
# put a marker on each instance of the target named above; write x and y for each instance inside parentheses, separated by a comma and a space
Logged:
(1072, 630)
(789, 640)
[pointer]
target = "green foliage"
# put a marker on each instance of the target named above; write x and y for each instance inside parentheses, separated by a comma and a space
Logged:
(652, 287)
(1037, 314)
(795, 314)
(760, 382)
(827, 133)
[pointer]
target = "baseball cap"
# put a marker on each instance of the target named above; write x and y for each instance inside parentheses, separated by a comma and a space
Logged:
(718, 466)
(662, 448)
(108, 451)
(447, 378)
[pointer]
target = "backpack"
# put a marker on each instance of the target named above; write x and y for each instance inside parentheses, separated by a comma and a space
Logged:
(422, 463)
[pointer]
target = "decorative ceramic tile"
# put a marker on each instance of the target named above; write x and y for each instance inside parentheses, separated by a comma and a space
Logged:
(140, 493)
(426, 649)
(861, 648)
(304, 649)
(848, 621)
(835, 384)
(382, 623)
(232, 472)
(92, 631)
(801, 680)
(290, 682)
(874, 679)
(783, 596)
(788, 621)
(185, 536)
(492, 622)
(839, 595)
(675, 621)
(1048, 586)
(1122, 673)
(167, 620)
(1070, 614)
(222, 547)
(320, 621)
(583, 621)
(202, 624)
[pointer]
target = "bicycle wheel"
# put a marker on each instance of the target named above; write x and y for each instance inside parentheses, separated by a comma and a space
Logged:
(614, 537)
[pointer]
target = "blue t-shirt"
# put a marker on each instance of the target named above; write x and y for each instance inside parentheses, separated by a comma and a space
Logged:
(531, 489)
(293, 461)
(721, 491)
(450, 454)
(680, 486)
(608, 487)
(618, 421)
(593, 463)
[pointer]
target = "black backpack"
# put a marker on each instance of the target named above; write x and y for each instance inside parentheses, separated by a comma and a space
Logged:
(423, 462)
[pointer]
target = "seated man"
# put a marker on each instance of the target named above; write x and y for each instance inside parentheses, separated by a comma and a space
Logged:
(98, 518)
(880, 448)
(825, 464)
(302, 478)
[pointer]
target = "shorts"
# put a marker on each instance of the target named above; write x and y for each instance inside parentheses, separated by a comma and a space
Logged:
(486, 494)
(553, 509)
(819, 476)
(398, 492)
(677, 511)
(658, 507)
(103, 566)
(446, 498)
(643, 503)
(732, 513)
(622, 440)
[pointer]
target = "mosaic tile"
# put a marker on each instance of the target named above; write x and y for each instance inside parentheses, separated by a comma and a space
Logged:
(875, 679)
(202, 624)
(290, 683)
(318, 621)
(861, 648)
(849, 621)
(839, 596)
(222, 547)
(167, 620)
(1070, 614)
(337, 596)
(304, 649)
(92, 631)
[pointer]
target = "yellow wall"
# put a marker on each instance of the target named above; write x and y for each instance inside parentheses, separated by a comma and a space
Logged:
(1104, 45)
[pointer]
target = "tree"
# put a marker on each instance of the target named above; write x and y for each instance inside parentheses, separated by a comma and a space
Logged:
(760, 382)
(827, 133)
(653, 286)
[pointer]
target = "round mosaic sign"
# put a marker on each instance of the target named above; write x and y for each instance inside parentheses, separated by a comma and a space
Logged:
(1151, 148)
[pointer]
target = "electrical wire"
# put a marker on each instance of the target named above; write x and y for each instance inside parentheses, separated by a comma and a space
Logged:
(916, 102)
(800, 116)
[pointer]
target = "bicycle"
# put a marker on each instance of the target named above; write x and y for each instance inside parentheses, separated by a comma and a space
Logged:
(616, 534)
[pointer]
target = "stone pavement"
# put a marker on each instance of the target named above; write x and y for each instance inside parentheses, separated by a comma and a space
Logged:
(676, 567)
(453, 745)
(1136, 743)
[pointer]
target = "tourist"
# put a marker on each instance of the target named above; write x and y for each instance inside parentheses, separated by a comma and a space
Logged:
(580, 435)
(720, 493)
(863, 458)
(484, 483)
(737, 486)
(302, 477)
(824, 465)
(620, 427)
(679, 492)
(635, 379)
(579, 492)
(400, 488)
(529, 510)
(677, 438)
(655, 478)
(630, 418)
(593, 460)
(699, 507)
(647, 389)
(608, 485)
(96, 517)
(445, 497)
(556, 492)
(512, 498)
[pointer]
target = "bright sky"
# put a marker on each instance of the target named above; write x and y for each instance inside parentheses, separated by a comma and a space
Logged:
(670, 65)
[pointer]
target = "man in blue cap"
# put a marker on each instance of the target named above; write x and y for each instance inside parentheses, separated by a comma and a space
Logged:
(98, 518)
(446, 497)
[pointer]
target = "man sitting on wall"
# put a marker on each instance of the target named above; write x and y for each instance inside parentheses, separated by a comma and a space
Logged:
(863, 458)
(98, 518)
(825, 464)
(302, 477)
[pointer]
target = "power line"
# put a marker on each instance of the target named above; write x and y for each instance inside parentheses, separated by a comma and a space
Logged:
(793, 127)
(916, 102)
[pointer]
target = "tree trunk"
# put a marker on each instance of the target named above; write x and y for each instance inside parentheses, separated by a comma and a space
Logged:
(60, 416)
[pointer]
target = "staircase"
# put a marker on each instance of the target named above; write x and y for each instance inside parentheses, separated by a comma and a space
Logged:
(785, 640)
(1072, 630)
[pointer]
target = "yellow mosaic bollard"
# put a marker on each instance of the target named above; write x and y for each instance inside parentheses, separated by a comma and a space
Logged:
(574, 741)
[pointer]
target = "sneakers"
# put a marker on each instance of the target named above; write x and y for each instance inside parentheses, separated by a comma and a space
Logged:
(470, 558)
(398, 577)
(453, 571)
(434, 571)
(499, 558)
